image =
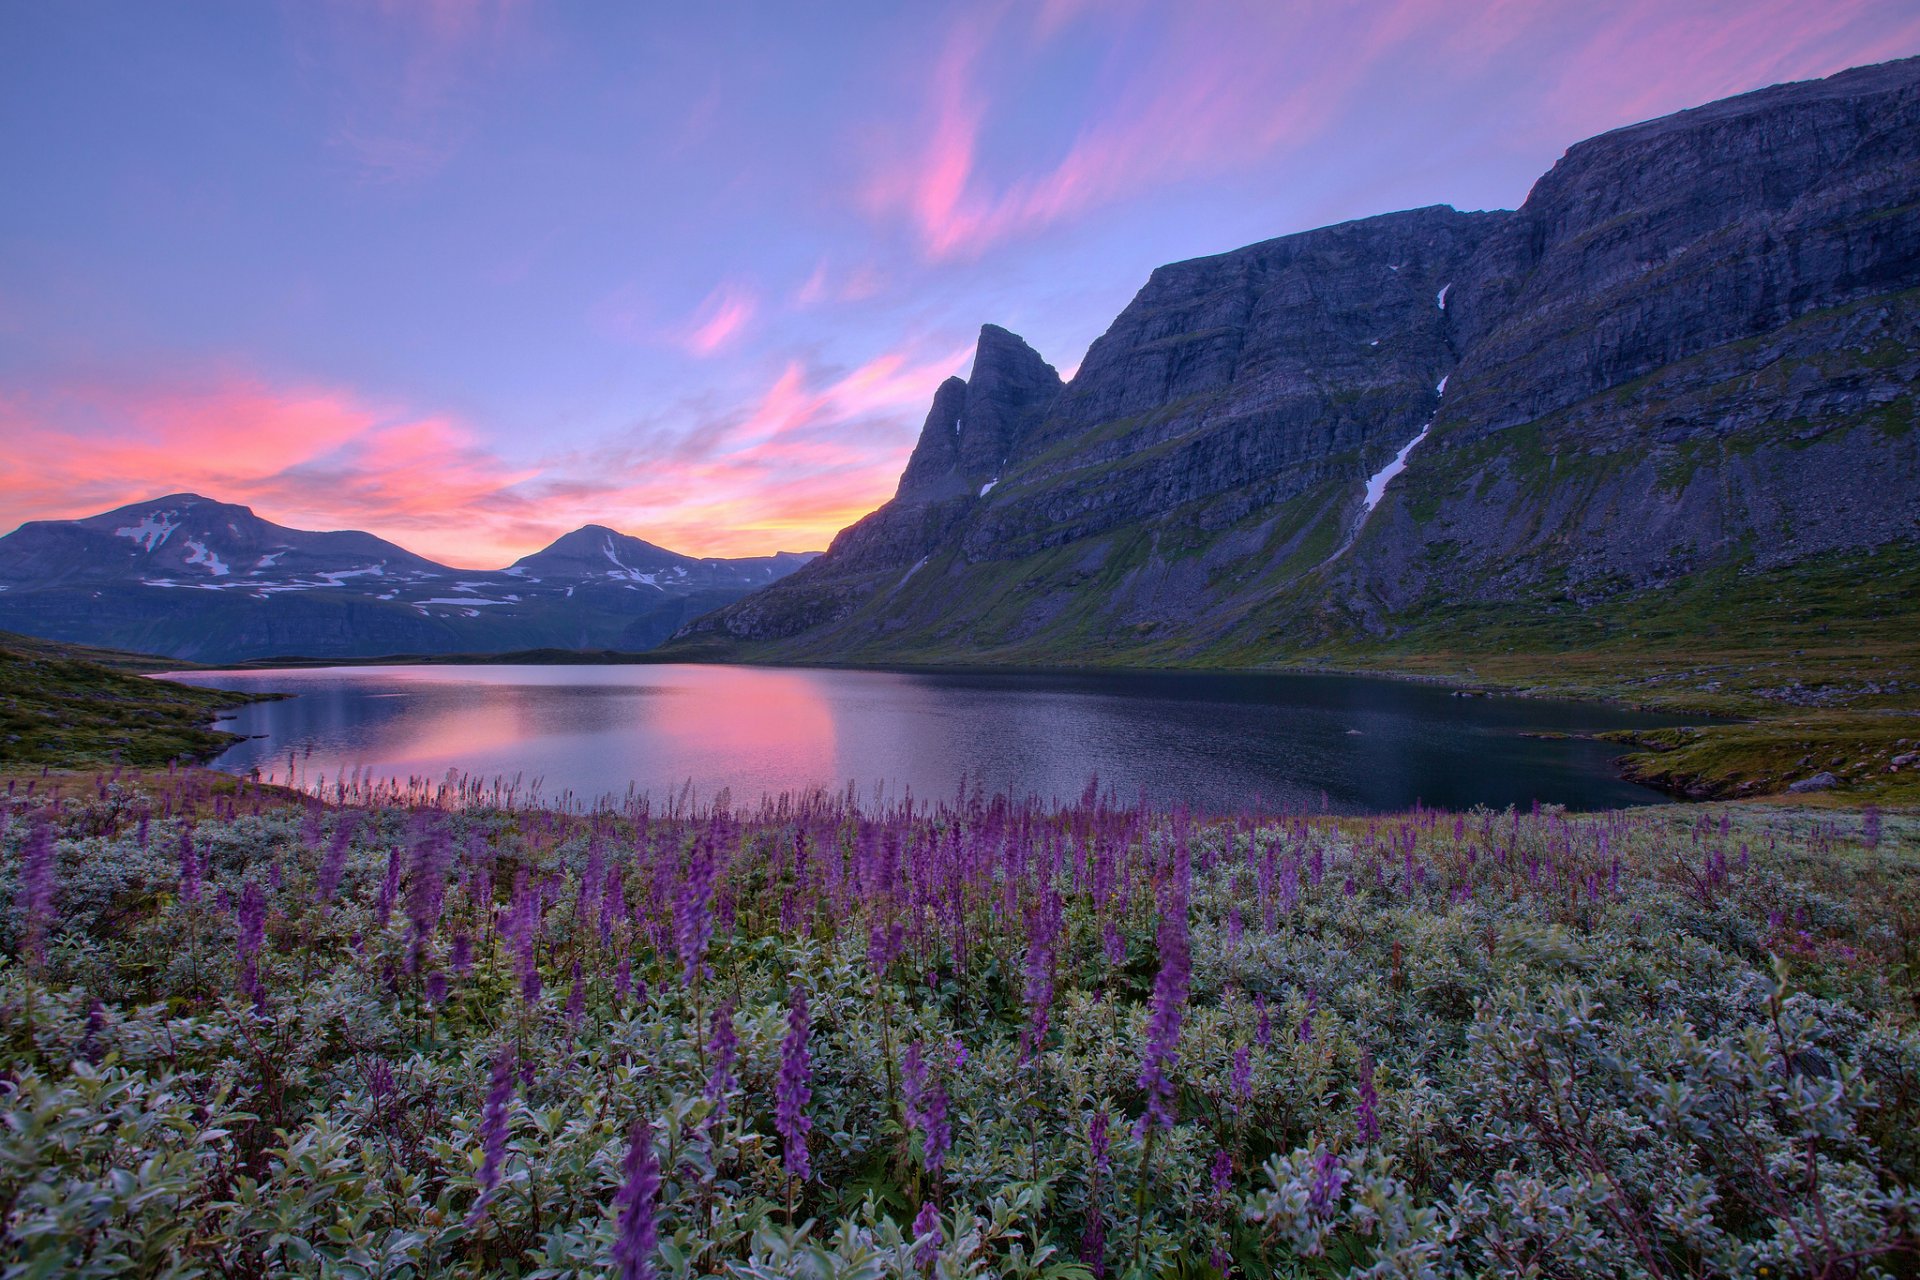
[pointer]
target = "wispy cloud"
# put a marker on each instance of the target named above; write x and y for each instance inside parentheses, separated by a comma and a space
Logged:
(721, 318)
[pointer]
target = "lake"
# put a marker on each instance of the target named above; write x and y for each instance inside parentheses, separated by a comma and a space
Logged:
(1215, 742)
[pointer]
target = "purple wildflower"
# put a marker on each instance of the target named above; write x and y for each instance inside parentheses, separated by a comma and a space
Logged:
(577, 998)
(794, 1089)
(36, 890)
(1098, 1147)
(1163, 1025)
(523, 926)
(1240, 1078)
(190, 869)
(693, 910)
(462, 956)
(623, 980)
(389, 890)
(927, 1223)
(639, 1234)
(926, 1099)
(1366, 1117)
(249, 933)
(493, 1131)
(1263, 1031)
(426, 889)
(1221, 1173)
(1329, 1178)
(1093, 1244)
(436, 988)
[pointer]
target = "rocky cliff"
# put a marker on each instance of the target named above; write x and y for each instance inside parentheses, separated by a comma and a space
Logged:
(1693, 347)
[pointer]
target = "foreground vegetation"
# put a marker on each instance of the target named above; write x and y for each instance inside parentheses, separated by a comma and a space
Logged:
(66, 705)
(436, 1034)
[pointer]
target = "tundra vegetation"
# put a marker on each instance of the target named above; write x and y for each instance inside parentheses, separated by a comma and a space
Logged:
(440, 1031)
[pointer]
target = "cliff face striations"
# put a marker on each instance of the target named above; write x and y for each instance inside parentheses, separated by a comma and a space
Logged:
(1694, 347)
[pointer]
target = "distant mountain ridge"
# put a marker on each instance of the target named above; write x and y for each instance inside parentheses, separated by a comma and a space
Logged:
(1692, 351)
(193, 578)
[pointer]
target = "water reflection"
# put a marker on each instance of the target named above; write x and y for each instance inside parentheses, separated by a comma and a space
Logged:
(1211, 741)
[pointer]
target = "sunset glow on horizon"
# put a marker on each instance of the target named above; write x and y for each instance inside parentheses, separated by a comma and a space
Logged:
(469, 274)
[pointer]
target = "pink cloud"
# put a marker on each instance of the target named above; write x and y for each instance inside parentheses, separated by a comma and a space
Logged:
(786, 468)
(727, 311)
(1204, 102)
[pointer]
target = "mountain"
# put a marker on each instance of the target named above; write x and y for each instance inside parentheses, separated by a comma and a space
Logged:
(1682, 370)
(192, 578)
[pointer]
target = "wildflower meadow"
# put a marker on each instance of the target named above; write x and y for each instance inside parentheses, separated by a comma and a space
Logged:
(438, 1031)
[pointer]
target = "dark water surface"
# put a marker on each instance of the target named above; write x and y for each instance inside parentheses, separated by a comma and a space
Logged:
(1212, 741)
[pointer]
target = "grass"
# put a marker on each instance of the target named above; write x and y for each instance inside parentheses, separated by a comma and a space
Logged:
(69, 706)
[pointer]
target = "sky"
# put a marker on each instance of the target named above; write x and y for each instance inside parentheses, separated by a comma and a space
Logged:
(468, 274)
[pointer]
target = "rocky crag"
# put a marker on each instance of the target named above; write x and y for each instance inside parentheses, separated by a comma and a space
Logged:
(1693, 351)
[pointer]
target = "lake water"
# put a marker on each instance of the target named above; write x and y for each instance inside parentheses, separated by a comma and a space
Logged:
(1215, 742)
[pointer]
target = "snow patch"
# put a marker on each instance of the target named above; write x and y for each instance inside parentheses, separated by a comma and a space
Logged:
(268, 561)
(197, 553)
(1440, 299)
(461, 602)
(152, 530)
(987, 488)
(1441, 389)
(335, 576)
(1377, 485)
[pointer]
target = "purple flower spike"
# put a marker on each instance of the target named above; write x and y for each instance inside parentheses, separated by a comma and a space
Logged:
(1240, 1079)
(189, 868)
(1163, 1025)
(250, 932)
(926, 1099)
(693, 910)
(493, 1131)
(927, 1223)
(36, 890)
(1329, 1179)
(639, 1234)
(794, 1089)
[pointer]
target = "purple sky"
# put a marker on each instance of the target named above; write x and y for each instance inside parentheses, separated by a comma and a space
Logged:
(469, 275)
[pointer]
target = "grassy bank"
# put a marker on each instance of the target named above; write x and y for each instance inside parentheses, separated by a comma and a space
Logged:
(67, 706)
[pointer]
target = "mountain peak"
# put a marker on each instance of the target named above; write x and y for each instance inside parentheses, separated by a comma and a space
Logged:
(975, 423)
